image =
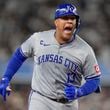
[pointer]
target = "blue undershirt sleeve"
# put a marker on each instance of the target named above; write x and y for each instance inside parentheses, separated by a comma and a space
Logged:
(90, 86)
(14, 63)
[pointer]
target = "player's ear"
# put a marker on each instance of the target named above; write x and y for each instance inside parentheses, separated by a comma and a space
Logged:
(56, 22)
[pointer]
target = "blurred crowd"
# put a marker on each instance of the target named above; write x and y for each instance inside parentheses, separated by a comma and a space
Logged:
(96, 101)
(21, 18)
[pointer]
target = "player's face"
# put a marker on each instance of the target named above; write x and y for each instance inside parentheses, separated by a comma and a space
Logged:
(64, 28)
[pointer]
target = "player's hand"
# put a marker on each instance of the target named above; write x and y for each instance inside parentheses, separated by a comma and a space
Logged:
(4, 88)
(70, 92)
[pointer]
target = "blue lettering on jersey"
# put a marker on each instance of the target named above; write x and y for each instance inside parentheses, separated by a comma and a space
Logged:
(73, 67)
(46, 57)
(50, 58)
(43, 58)
(70, 65)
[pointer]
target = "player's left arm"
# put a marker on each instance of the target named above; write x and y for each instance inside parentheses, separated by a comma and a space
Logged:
(87, 88)
(91, 73)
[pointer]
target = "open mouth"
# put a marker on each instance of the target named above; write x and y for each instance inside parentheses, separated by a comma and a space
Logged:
(68, 29)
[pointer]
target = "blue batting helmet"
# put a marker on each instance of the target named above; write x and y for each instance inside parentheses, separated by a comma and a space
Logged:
(67, 10)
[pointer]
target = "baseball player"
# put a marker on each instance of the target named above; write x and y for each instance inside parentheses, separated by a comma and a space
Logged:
(61, 60)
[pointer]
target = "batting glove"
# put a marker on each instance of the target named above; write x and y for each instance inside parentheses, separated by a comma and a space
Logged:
(4, 88)
(71, 92)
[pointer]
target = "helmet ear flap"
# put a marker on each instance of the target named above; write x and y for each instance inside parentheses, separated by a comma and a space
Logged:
(77, 22)
(77, 25)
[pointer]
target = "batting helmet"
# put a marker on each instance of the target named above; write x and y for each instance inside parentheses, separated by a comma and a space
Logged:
(67, 10)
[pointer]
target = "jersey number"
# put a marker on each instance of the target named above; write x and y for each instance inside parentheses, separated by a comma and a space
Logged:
(71, 77)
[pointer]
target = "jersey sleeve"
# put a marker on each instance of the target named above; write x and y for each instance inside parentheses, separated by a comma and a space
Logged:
(91, 67)
(27, 47)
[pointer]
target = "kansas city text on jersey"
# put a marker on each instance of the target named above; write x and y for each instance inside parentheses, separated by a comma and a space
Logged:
(59, 60)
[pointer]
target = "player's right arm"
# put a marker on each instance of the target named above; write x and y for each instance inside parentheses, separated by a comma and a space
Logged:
(14, 64)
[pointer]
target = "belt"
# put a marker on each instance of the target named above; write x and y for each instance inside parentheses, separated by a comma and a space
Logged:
(61, 100)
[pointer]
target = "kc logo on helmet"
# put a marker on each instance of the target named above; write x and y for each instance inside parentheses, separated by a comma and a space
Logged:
(67, 9)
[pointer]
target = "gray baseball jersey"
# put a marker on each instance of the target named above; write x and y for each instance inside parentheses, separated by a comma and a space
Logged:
(54, 64)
